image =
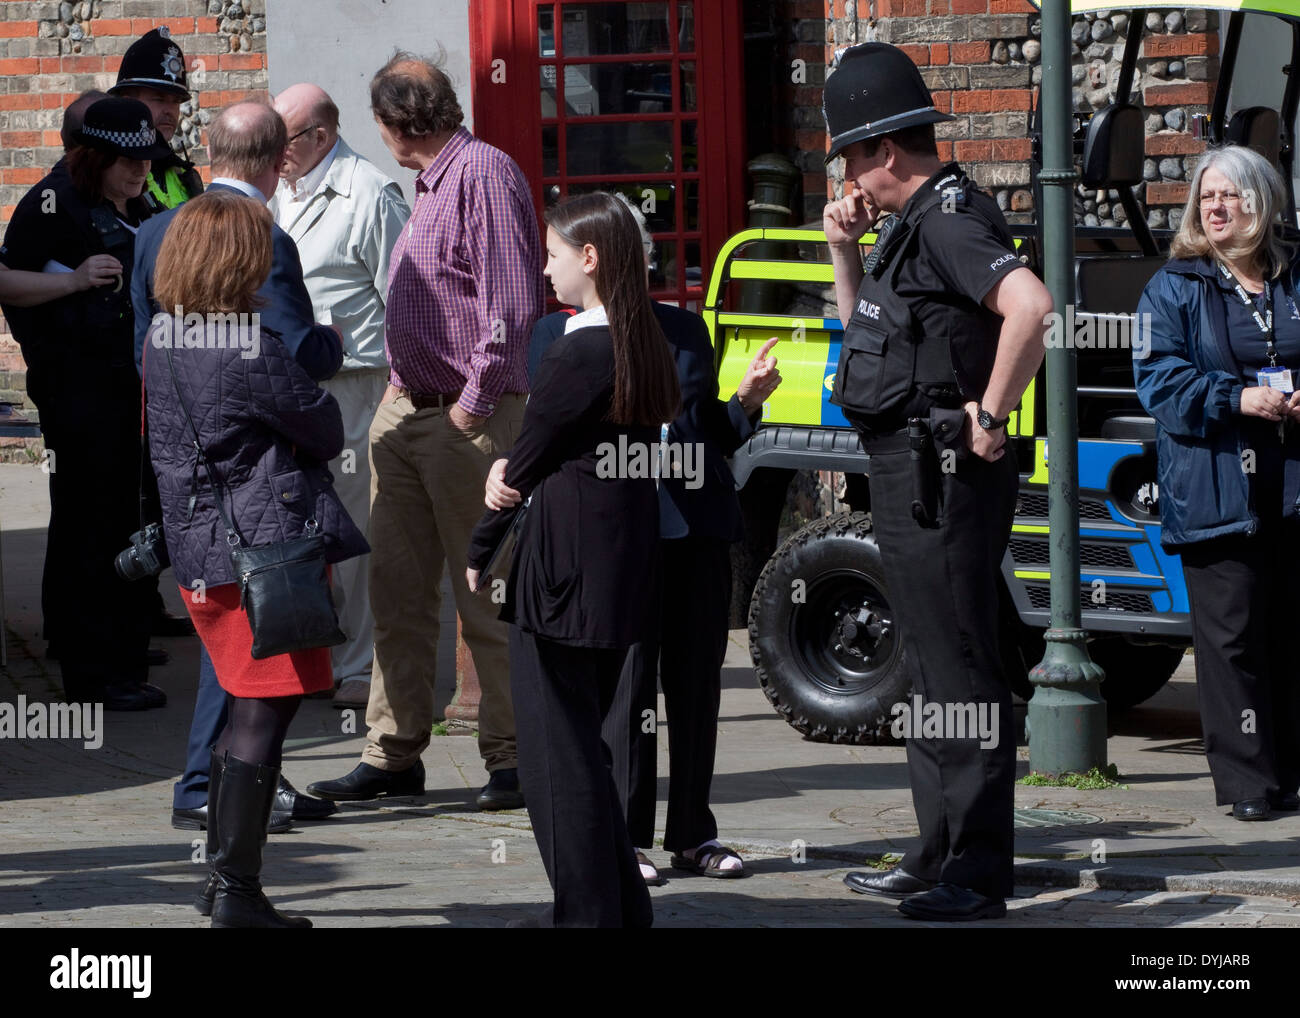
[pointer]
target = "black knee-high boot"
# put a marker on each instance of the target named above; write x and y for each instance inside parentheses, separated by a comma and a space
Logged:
(243, 809)
(203, 900)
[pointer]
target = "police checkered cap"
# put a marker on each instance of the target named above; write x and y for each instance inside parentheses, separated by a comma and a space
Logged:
(142, 138)
(124, 126)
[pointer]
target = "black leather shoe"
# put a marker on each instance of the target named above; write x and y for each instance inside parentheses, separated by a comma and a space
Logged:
(167, 624)
(895, 883)
(1286, 802)
(1251, 809)
(191, 819)
(501, 791)
(289, 801)
(948, 903)
(123, 697)
(197, 820)
(156, 656)
(366, 782)
(155, 696)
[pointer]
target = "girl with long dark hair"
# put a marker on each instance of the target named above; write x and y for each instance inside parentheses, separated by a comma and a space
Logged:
(578, 592)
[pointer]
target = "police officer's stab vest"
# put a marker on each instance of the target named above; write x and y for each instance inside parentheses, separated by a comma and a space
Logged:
(885, 365)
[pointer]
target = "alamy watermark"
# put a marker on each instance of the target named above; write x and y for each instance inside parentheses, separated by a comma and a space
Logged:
(37, 720)
(1076, 330)
(651, 459)
(216, 330)
(916, 719)
(75, 971)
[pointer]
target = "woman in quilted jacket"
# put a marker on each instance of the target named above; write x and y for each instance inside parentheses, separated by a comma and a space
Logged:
(266, 431)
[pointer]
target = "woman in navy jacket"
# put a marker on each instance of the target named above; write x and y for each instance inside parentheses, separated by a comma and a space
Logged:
(1218, 372)
(579, 590)
(266, 430)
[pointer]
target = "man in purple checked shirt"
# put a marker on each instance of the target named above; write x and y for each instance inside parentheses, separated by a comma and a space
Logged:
(465, 286)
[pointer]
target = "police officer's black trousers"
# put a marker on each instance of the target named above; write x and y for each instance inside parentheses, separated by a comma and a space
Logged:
(560, 693)
(684, 652)
(99, 620)
(943, 591)
(1243, 631)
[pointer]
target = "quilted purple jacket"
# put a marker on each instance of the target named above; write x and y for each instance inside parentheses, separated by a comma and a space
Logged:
(268, 431)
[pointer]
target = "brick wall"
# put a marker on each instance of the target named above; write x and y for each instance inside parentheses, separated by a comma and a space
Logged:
(50, 52)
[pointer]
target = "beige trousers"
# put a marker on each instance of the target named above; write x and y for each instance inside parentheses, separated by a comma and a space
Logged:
(358, 393)
(426, 496)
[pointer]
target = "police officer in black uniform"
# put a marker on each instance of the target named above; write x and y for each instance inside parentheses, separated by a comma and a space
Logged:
(153, 72)
(943, 332)
(80, 356)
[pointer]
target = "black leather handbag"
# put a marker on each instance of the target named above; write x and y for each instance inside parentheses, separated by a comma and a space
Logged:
(285, 591)
(283, 587)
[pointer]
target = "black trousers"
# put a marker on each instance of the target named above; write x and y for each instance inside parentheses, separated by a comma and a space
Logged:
(99, 620)
(684, 652)
(561, 692)
(943, 590)
(1243, 631)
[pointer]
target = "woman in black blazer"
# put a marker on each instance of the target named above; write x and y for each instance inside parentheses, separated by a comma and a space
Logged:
(578, 592)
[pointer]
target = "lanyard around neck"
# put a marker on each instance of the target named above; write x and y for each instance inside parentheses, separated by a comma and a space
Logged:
(1264, 321)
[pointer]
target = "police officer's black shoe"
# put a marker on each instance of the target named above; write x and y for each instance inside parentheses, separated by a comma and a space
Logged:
(948, 903)
(1286, 802)
(1251, 809)
(895, 883)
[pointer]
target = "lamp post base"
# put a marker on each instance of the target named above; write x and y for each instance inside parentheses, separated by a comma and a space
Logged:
(1066, 721)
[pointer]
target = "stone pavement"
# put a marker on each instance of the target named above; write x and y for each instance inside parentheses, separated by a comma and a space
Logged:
(85, 837)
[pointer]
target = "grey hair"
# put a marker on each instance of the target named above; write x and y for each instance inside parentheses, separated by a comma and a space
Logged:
(1262, 194)
(647, 242)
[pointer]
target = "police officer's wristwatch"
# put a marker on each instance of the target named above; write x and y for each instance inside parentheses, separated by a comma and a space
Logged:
(988, 422)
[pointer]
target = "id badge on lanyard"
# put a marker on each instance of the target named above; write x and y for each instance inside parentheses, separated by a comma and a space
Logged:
(1275, 376)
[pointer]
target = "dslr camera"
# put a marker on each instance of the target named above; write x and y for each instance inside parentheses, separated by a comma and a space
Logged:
(147, 555)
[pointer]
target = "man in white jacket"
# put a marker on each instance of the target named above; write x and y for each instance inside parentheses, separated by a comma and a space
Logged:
(345, 216)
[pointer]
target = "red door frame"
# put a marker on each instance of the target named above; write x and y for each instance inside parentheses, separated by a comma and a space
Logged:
(505, 65)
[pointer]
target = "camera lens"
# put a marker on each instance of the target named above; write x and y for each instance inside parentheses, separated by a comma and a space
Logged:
(128, 565)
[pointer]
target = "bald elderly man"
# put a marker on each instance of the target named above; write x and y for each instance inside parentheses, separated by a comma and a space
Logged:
(345, 216)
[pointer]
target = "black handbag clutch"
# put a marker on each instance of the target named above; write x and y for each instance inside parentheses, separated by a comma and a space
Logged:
(283, 587)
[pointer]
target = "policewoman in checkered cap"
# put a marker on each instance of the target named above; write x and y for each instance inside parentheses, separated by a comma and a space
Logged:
(942, 333)
(153, 71)
(80, 355)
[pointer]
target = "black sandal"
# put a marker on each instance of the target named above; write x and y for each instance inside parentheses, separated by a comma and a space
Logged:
(708, 862)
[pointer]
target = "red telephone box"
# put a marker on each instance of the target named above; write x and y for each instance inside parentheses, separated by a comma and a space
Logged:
(640, 97)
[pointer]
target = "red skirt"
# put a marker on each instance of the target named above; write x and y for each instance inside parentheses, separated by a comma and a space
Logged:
(223, 627)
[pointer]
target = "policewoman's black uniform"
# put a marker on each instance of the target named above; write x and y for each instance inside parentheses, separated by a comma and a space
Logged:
(80, 357)
(918, 346)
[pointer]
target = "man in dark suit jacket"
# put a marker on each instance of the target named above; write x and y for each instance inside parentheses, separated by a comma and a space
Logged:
(247, 143)
(699, 519)
(288, 311)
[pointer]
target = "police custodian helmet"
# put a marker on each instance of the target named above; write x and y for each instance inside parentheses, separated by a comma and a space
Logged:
(874, 90)
(153, 61)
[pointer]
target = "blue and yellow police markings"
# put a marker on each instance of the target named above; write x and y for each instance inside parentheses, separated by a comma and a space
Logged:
(807, 355)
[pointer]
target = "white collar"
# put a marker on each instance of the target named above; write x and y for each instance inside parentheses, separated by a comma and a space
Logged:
(587, 319)
(309, 183)
(243, 186)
